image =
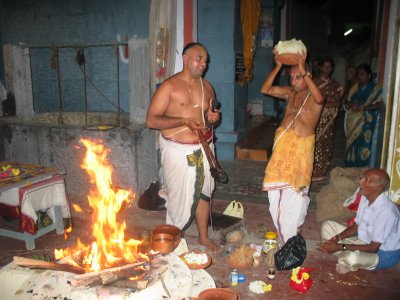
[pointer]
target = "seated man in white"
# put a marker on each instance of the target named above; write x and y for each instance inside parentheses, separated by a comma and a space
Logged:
(373, 241)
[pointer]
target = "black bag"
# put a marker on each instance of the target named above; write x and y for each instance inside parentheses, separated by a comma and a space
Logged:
(150, 200)
(292, 254)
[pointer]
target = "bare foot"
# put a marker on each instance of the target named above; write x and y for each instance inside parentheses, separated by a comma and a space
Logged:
(210, 245)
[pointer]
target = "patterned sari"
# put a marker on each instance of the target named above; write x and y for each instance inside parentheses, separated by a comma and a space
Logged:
(324, 133)
(360, 126)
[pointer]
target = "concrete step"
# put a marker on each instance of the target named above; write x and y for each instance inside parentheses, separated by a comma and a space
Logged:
(258, 143)
(251, 154)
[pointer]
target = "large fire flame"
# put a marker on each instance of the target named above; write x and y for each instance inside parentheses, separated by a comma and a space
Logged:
(109, 248)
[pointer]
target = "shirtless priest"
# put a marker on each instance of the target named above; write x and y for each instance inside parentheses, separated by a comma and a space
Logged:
(288, 173)
(180, 106)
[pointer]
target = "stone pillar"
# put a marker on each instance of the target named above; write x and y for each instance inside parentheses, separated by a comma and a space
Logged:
(18, 78)
(139, 79)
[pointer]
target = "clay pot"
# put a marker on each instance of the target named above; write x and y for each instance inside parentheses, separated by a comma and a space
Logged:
(218, 293)
(165, 238)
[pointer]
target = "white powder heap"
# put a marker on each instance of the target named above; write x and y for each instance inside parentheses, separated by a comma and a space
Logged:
(292, 46)
(194, 258)
(259, 287)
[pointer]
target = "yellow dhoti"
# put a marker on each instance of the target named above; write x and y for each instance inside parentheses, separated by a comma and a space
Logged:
(291, 163)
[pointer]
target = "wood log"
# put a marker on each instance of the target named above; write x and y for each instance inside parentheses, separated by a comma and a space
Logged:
(110, 270)
(41, 264)
(118, 269)
(129, 284)
(111, 278)
(136, 273)
(90, 282)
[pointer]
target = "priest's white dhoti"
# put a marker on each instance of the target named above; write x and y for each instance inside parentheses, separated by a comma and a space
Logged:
(187, 179)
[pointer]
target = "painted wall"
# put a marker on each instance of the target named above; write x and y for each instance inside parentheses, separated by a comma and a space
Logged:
(263, 59)
(216, 30)
(391, 87)
(220, 29)
(2, 76)
(69, 23)
(241, 93)
(91, 22)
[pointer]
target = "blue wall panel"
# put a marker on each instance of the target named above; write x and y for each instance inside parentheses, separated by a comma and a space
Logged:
(216, 24)
(74, 23)
(263, 62)
(94, 22)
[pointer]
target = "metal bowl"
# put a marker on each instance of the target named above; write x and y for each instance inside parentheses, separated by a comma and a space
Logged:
(165, 238)
(163, 244)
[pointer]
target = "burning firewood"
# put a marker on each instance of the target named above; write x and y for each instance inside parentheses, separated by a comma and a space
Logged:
(90, 282)
(109, 248)
(128, 284)
(110, 270)
(134, 272)
(40, 264)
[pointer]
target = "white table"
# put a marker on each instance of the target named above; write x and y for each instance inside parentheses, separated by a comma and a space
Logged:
(45, 191)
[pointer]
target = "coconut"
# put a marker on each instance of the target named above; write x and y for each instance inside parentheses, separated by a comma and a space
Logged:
(241, 258)
(234, 236)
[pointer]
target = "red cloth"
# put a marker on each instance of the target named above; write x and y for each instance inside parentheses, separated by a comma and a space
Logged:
(354, 207)
(305, 284)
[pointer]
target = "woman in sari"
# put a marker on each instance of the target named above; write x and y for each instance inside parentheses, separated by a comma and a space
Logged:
(332, 92)
(362, 112)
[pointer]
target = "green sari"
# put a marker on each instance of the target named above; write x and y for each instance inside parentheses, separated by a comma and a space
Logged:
(360, 126)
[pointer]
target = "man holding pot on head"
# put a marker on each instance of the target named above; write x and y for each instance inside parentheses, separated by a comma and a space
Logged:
(288, 173)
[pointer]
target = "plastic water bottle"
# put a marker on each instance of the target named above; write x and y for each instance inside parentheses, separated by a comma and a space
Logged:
(234, 278)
